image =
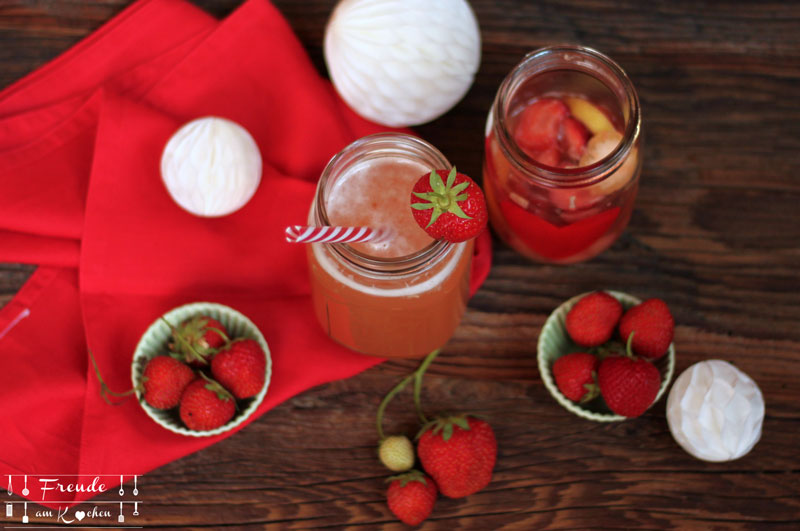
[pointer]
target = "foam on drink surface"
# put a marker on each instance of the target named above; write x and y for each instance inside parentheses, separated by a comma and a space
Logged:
(377, 193)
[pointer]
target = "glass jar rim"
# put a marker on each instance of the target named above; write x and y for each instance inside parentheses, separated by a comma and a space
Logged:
(362, 262)
(555, 176)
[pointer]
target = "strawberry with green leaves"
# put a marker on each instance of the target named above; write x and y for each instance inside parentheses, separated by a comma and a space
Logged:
(652, 326)
(206, 405)
(459, 453)
(163, 381)
(411, 497)
(197, 339)
(593, 319)
(240, 367)
(576, 375)
(396, 452)
(449, 206)
(628, 384)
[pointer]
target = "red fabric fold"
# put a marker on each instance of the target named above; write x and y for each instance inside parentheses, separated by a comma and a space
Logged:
(80, 143)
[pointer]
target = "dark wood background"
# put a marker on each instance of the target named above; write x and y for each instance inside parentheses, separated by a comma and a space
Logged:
(715, 232)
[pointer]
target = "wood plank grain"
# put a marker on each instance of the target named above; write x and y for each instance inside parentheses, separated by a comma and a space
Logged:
(715, 232)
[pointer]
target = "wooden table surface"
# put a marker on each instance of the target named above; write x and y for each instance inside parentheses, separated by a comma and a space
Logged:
(715, 232)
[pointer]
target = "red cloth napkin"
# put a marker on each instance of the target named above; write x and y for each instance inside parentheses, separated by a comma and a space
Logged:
(80, 143)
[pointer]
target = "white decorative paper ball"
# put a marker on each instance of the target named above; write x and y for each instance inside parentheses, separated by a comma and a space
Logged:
(211, 166)
(715, 411)
(402, 62)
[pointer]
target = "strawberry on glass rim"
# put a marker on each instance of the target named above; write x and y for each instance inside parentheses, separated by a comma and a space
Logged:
(452, 210)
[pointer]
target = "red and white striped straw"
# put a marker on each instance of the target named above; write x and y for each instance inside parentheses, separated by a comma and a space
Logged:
(303, 234)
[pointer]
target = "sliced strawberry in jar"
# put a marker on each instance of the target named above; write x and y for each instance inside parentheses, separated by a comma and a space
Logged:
(574, 136)
(539, 125)
(550, 156)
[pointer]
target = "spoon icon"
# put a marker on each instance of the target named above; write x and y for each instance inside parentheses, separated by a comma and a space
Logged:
(25, 490)
(135, 490)
(121, 491)
(8, 490)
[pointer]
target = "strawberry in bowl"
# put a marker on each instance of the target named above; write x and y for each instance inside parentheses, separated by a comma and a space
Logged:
(189, 381)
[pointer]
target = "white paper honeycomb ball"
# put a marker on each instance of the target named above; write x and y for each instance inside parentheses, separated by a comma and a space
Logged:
(402, 62)
(715, 411)
(211, 166)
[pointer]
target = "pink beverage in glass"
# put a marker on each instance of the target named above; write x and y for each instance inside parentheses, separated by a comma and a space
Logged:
(562, 155)
(402, 297)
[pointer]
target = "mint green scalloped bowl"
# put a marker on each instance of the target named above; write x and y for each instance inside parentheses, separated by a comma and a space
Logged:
(154, 342)
(554, 342)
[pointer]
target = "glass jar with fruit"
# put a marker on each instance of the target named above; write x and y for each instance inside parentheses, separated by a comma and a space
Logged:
(563, 154)
(400, 297)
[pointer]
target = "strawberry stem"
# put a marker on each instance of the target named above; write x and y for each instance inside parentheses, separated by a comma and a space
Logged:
(417, 377)
(105, 391)
(628, 349)
(189, 347)
(217, 388)
(221, 334)
(592, 390)
(385, 402)
(418, 374)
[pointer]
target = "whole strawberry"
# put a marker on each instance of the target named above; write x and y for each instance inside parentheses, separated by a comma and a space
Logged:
(459, 452)
(396, 453)
(411, 497)
(240, 367)
(575, 376)
(629, 385)
(197, 338)
(164, 380)
(206, 405)
(591, 322)
(452, 210)
(652, 327)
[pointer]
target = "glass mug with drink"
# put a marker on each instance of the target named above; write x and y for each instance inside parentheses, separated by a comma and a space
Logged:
(396, 297)
(562, 154)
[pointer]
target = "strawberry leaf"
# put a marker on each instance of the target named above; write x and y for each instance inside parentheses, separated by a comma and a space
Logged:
(428, 196)
(434, 216)
(422, 206)
(447, 432)
(592, 390)
(216, 388)
(436, 183)
(451, 177)
(411, 475)
(457, 189)
(461, 422)
(455, 209)
(219, 332)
